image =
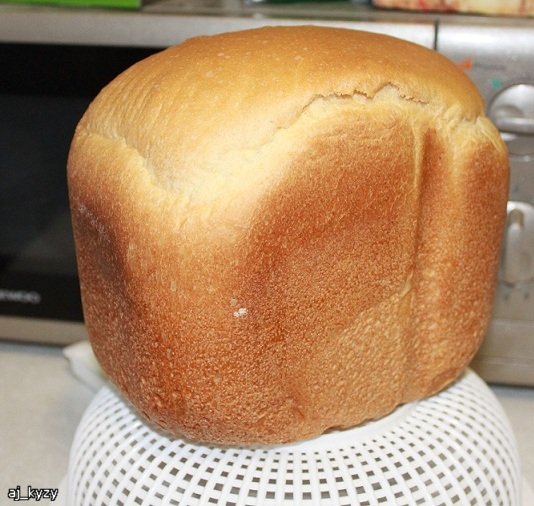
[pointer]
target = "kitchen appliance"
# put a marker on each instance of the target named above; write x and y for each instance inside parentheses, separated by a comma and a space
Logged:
(453, 448)
(45, 55)
(499, 58)
(44, 90)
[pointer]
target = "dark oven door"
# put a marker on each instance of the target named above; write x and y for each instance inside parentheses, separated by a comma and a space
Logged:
(44, 91)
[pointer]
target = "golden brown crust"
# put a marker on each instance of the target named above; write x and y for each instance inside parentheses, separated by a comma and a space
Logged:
(298, 229)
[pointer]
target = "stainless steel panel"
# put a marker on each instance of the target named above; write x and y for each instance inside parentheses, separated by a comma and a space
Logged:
(493, 52)
(38, 330)
(507, 354)
(164, 23)
(500, 61)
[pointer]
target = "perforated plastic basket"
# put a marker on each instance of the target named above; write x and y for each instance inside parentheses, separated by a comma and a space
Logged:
(455, 448)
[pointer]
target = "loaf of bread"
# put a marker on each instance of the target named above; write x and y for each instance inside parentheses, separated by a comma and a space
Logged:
(286, 230)
(492, 7)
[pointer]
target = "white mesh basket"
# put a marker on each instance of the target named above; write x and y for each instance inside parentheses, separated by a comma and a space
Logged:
(455, 448)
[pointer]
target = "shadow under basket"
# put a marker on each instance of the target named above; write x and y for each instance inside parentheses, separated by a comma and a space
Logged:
(454, 448)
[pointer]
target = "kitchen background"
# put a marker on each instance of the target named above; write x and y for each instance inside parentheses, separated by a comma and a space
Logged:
(54, 59)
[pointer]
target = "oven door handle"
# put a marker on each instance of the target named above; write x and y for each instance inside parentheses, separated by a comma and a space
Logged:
(517, 259)
(515, 124)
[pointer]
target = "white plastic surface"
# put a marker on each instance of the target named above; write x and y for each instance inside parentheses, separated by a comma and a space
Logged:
(84, 365)
(455, 448)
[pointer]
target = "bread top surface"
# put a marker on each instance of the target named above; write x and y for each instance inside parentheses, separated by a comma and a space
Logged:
(213, 102)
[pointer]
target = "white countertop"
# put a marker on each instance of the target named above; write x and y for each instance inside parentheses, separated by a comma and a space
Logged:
(40, 406)
(42, 403)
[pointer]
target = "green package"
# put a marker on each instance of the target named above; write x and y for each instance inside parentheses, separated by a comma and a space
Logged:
(121, 4)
